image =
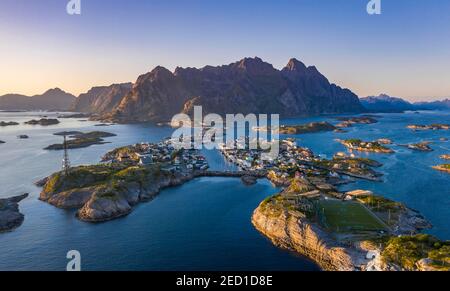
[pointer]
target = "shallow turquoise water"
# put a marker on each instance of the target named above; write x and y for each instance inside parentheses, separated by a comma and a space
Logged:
(204, 224)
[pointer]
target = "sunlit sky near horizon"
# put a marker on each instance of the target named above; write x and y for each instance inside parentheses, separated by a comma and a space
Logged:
(404, 52)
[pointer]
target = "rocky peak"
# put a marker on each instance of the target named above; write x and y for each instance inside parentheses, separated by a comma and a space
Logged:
(255, 66)
(55, 92)
(295, 65)
(158, 73)
(161, 71)
(297, 71)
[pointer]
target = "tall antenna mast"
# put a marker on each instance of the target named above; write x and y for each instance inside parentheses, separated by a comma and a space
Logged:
(66, 161)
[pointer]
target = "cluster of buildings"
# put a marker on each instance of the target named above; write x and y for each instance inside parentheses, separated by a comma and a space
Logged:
(288, 161)
(164, 153)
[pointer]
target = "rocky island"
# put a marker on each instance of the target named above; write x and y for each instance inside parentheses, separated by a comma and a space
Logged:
(43, 122)
(429, 127)
(365, 146)
(131, 175)
(75, 115)
(294, 161)
(81, 140)
(10, 123)
(10, 217)
(350, 121)
(350, 166)
(443, 168)
(421, 146)
(349, 231)
(105, 192)
(384, 141)
(445, 157)
(306, 128)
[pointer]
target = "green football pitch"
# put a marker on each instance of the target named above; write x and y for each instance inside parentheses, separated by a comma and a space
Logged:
(347, 216)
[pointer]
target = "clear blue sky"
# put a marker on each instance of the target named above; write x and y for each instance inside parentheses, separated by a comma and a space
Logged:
(403, 52)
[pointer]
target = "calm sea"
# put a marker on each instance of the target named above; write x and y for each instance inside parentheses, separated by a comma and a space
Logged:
(204, 224)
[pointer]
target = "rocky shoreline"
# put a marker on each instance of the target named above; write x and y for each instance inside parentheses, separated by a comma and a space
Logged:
(112, 198)
(349, 231)
(416, 127)
(313, 127)
(10, 216)
(421, 146)
(10, 123)
(365, 146)
(293, 230)
(100, 198)
(81, 140)
(443, 168)
(43, 122)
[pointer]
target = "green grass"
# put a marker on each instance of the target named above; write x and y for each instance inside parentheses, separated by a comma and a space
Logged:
(406, 251)
(344, 217)
(306, 128)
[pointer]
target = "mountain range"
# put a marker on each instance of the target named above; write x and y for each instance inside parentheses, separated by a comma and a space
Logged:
(247, 86)
(435, 105)
(53, 99)
(387, 104)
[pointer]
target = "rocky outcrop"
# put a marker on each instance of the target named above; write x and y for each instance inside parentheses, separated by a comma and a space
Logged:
(43, 122)
(70, 199)
(81, 140)
(105, 192)
(288, 227)
(247, 86)
(10, 123)
(249, 180)
(101, 99)
(10, 217)
(292, 231)
(104, 205)
(53, 99)
(443, 168)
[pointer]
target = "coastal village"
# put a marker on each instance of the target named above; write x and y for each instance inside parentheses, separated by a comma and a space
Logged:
(164, 152)
(295, 161)
(357, 229)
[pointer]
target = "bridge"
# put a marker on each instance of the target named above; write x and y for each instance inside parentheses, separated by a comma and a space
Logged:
(232, 174)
